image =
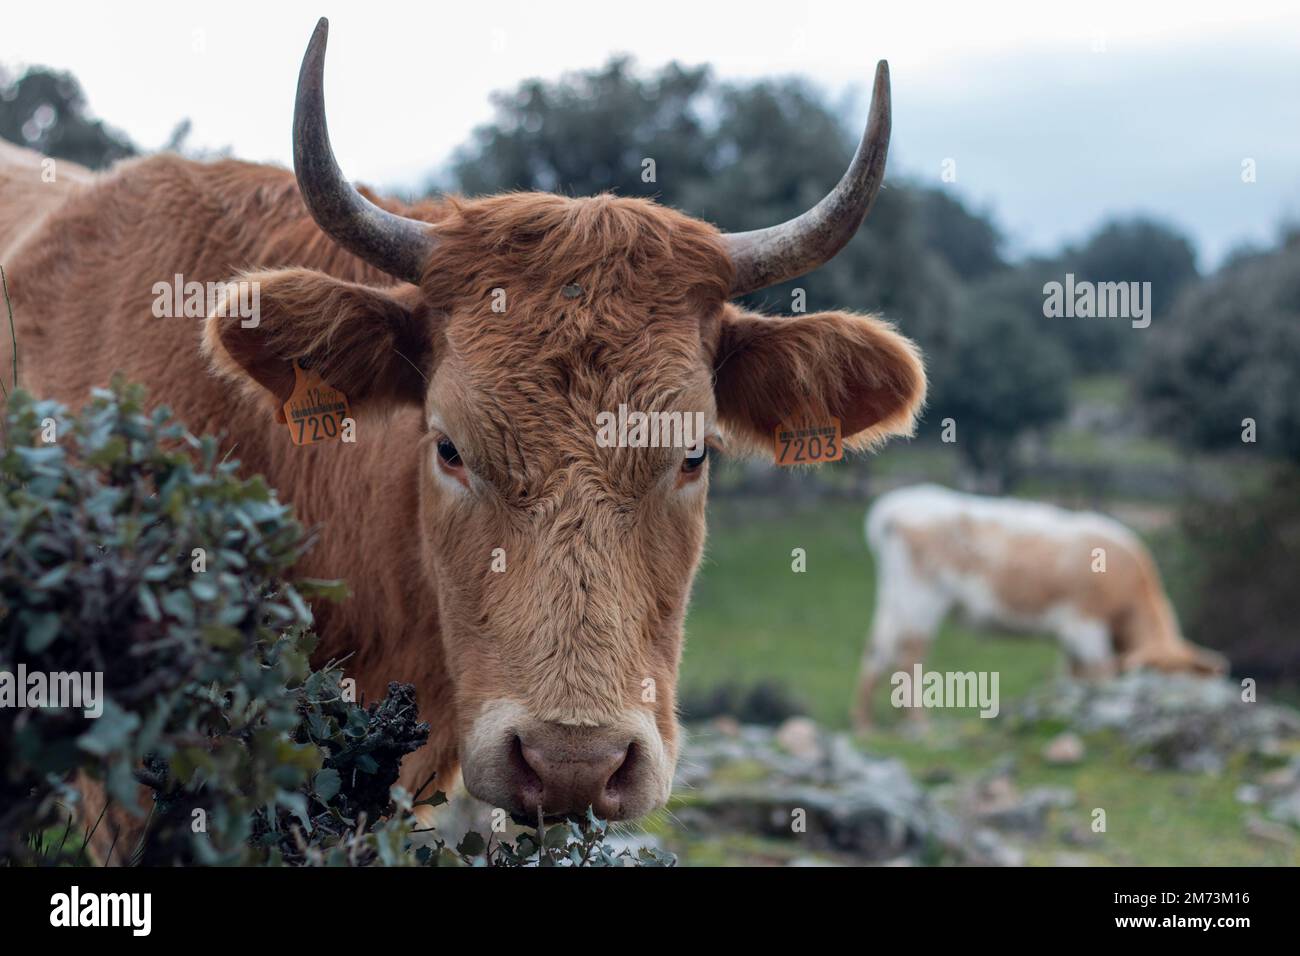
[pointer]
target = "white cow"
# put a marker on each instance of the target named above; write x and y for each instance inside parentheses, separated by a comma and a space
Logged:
(1022, 566)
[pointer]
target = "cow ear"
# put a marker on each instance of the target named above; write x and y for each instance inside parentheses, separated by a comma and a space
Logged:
(806, 369)
(369, 343)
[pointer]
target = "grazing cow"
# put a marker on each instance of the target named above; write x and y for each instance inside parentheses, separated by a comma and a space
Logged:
(1021, 565)
(529, 581)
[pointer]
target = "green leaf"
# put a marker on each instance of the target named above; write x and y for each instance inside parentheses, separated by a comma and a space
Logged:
(312, 588)
(53, 578)
(41, 631)
(472, 845)
(367, 764)
(326, 784)
(110, 731)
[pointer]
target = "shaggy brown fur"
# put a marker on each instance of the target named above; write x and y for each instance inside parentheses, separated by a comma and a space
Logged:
(601, 543)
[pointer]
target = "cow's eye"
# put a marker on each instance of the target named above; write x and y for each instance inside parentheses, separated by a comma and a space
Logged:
(695, 459)
(448, 453)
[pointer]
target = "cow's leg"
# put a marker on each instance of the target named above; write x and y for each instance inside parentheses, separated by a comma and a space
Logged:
(876, 658)
(913, 650)
(113, 832)
(1089, 649)
(908, 613)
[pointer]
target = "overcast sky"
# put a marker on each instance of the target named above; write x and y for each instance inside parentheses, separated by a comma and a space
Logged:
(1056, 115)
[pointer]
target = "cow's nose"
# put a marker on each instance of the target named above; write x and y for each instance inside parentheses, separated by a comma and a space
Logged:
(565, 770)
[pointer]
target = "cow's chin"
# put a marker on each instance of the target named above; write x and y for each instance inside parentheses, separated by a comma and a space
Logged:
(512, 760)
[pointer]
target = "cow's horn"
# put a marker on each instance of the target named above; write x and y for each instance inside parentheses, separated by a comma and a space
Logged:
(399, 246)
(765, 257)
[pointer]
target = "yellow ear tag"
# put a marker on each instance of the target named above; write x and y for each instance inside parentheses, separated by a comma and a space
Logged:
(808, 444)
(315, 411)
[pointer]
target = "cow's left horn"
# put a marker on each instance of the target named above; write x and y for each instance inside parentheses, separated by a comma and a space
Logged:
(399, 246)
(765, 257)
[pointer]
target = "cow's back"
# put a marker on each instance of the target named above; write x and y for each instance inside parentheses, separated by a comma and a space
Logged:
(31, 187)
(89, 254)
(1020, 562)
(81, 258)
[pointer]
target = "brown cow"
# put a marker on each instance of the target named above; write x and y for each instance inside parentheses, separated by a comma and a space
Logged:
(550, 683)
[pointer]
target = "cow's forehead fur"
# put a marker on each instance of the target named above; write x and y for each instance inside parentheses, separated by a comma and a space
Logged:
(614, 247)
(552, 310)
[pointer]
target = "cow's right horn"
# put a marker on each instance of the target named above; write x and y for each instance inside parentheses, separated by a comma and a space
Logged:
(399, 246)
(766, 257)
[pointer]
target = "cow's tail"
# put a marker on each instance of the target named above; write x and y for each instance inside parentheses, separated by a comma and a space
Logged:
(1161, 643)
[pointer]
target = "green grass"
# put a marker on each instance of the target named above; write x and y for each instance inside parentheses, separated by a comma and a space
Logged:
(1081, 447)
(1153, 817)
(754, 619)
(1101, 390)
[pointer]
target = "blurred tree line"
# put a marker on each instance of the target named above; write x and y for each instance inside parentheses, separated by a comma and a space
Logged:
(45, 110)
(747, 155)
(1224, 376)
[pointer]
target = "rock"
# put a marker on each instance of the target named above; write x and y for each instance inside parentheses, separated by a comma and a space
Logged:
(1282, 777)
(995, 795)
(1205, 760)
(1055, 798)
(1064, 749)
(856, 823)
(1170, 720)
(1080, 834)
(814, 861)
(1278, 791)
(999, 804)
(1286, 808)
(1070, 859)
(995, 850)
(799, 737)
(1248, 794)
(833, 802)
(1270, 831)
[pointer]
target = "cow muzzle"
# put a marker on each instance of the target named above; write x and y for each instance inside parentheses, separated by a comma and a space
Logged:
(618, 769)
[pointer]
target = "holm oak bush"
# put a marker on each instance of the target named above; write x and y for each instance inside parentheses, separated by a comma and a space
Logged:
(132, 551)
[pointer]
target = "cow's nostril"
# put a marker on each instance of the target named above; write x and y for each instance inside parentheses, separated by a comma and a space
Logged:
(528, 785)
(619, 779)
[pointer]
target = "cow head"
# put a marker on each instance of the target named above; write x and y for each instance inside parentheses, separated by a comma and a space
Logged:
(562, 567)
